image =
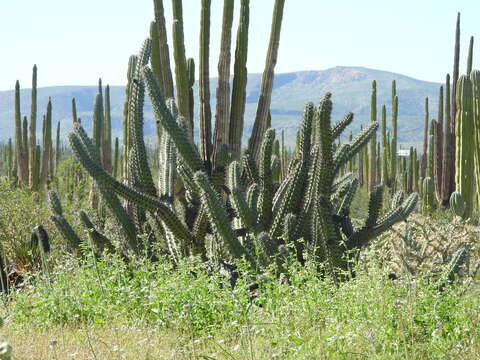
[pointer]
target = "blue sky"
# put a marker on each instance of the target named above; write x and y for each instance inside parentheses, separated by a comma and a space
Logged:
(74, 42)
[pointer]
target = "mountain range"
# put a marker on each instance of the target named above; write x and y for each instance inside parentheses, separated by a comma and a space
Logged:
(350, 86)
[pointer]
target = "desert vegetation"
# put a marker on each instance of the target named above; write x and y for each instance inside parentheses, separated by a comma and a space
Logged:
(201, 246)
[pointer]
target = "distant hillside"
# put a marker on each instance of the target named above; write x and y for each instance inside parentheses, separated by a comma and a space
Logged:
(350, 87)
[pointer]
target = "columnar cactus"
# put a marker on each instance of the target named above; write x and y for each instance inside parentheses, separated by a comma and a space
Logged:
(107, 133)
(204, 85)
(447, 170)
(385, 159)
(25, 147)
(425, 140)
(453, 110)
(475, 79)
(47, 146)
(239, 82)
(428, 201)
(263, 106)
(32, 142)
(438, 151)
(163, 70)
(470, 56)
(58, 148)
(223, 89)
(181, 78)
(464, 122)
(20, 164)
(393, 152)
(372, 178)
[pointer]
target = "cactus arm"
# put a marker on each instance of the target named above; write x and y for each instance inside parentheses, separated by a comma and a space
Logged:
(361, 140)
(341, 125)
(219, 218)
(187, 151)
(142, 200)
(141, 174)
(361, 237)
(266, 185)
(99, 240)
(242, 210)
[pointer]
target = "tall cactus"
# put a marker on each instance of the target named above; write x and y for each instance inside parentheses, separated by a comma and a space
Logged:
(32, 143)
(393, 151)
(107, 132)
(237, 109)
(438, 133)
(475, 79)
(222, 122)
(57, 147)
(47, 146)
(163, 72)
(385, 177)
(447, 171)
(263, 106)
(372, 177)
(181, 78)
(453, 110)
(425, 139)
(25, 147)
(20, 160)
(429, 181)
(464, 157)
(204, 85)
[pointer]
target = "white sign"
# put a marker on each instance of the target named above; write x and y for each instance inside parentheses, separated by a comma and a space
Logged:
(403, 152)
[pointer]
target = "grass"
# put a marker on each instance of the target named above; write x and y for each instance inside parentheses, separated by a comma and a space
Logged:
(82, 308)
(152, 312)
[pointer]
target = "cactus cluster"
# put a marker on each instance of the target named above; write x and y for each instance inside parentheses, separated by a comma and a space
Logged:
(243, 214)
(218, 201)
(25, 162)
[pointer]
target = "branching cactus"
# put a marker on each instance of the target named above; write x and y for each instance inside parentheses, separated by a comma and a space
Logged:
(247, 208)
